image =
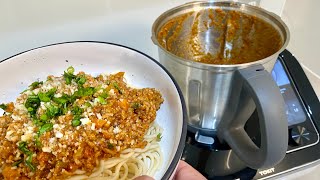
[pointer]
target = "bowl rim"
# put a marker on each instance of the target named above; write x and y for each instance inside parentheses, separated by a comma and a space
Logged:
(174, 163)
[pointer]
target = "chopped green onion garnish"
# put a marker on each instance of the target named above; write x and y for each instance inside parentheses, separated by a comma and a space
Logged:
(44, 117)
(77, 110)
(82, 92)
(80, 80)
(52, 111)
(37, 141)
(87, 104)
(3, 106)
(64, 109)
(70, 70)
(76, 121)
(46, 97)
(35, 85)
(135, 105)
(104, 95)
(115, 85)
(32, 104)
(24, 91)
(159, 136)
(110, 146)
(101, 100)
(17, 163)
(23, 147)
(61, 100)
(28, 162)
(37, 122)
(68, 76)
(43, 97)
(44, 128)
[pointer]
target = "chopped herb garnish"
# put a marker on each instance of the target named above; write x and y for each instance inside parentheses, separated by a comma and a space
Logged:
(43, 117)
(30, 109)
(98, 88)
(35, 85)
(101, 100)
(70, 70)
(3, 106)
(64, 109)
(68, 75)
(115, 85)
(37, 122)
(52, 111)
(104, 95)
(32, 104)
(46, 97)
(76, 121)
(23, 147)
(82, 92)
(44, 128)
(15, 164)
(77, 110)
(28, 163)
(80, 80)
(61, 100)
(110, 146)
(89, 91)
(87, 104)
(159, 136)
(37, 141)
(135, 105)
(43, 97)
(24, 91)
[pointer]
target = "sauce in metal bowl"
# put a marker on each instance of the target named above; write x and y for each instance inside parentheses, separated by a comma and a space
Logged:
(217, 36)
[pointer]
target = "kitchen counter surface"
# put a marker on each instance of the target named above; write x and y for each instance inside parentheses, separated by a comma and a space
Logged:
(35, 23)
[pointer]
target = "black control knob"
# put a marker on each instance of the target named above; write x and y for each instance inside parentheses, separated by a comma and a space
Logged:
(300, 135)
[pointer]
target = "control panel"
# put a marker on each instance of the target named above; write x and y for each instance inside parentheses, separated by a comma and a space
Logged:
(301, 129)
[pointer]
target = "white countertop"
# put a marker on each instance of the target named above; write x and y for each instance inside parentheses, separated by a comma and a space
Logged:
(33, 23)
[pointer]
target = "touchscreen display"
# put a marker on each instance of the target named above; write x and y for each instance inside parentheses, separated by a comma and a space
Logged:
(294, 109)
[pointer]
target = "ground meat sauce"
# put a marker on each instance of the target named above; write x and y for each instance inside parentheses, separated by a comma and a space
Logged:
(217, 36)
(69, 123)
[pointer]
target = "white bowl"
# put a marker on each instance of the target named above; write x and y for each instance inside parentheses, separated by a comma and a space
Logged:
(18, 71)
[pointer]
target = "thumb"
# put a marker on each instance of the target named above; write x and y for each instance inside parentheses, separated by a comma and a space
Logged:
(144, 177)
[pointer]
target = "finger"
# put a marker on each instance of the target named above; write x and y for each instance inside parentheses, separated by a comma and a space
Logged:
(187, 172)
(144, 177)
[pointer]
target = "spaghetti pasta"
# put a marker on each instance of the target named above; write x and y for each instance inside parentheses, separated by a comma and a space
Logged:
(132, 162)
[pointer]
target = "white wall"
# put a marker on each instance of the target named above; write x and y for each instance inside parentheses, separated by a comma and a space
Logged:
(32, 23)
(303, 19)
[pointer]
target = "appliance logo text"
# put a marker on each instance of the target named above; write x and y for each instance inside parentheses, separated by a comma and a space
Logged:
(267, 171)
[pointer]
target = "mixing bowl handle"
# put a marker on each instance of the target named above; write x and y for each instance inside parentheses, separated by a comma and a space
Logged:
(272, 119)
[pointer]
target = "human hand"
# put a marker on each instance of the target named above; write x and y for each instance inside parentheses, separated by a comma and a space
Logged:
(184, 172)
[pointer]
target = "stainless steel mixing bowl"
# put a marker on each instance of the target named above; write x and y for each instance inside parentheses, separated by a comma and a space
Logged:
(220, 98)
